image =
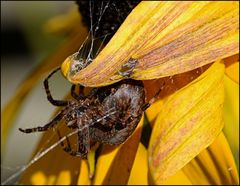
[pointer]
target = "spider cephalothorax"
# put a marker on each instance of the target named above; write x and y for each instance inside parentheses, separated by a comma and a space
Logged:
(107, 115)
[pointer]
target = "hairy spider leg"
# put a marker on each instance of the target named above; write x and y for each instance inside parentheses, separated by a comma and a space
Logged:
(152, 100)
(49, 96)
(83, 142)
(53, 122)
(65, 148)
(77, 96)
(92, 92)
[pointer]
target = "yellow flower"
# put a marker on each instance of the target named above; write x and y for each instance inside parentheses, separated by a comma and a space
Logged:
(176, 42)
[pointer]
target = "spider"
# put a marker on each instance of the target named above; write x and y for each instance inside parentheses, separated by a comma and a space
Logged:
(107, 115)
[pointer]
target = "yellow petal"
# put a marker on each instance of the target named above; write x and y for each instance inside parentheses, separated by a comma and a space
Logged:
(83, 178)
(232, 67)
(191, 119)
(64, 22)
(179, 178)
(171, 85)
(103, 164)
(233, 71)
(118, 162)
(166, 38)
(11, 110)
(214, 165)
(153, 111)
(139, 171)
(64, 178)
(168, 86)
(87, 170)
(231, 115)
(91, 160)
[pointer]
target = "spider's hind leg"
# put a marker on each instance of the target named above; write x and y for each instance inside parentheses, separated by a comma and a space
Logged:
(65, 148)
(83, 145)
(83, 142)
(146, 105)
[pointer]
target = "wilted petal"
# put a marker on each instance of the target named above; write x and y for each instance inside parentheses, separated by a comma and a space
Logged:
(166, 38)
(189, 121)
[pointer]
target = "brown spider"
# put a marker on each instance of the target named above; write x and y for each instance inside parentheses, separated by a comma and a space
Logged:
(107, 115)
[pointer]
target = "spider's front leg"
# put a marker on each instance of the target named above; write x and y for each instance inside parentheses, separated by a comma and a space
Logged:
(48, 125)
(77, 96)
(49, 96)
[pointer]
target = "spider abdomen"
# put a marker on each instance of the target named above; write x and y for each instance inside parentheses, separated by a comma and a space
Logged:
(125, 102)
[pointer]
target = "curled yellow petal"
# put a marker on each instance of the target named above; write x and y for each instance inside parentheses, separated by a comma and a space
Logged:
(161, 39)
(191, 119)
(214, 165)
